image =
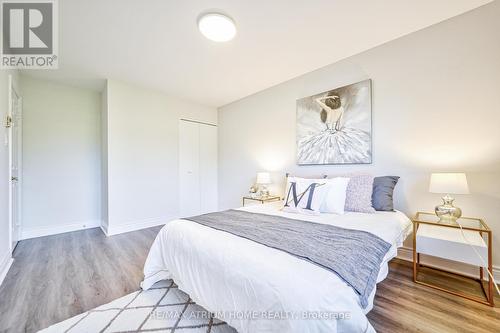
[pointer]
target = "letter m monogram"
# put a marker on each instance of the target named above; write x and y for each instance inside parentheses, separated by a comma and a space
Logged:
(297, 198)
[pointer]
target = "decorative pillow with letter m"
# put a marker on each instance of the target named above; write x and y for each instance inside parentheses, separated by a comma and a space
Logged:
(305, 196)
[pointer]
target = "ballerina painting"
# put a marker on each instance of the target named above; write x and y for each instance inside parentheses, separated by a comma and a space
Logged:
(335, 127)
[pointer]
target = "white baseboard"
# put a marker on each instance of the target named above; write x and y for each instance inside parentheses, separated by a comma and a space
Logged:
(120, 228)
(5, 264)
(406, 253)
(33, 232)
(104, 228)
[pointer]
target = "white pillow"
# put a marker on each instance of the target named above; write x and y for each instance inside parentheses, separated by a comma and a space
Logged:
(310, 194)
(334, 201)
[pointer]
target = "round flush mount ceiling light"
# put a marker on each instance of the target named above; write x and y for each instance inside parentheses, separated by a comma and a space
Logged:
(217, 27)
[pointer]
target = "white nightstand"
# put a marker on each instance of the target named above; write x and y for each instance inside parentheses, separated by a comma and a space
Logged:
(446, 241)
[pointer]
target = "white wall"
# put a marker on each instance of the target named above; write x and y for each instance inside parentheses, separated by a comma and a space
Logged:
(61, 158)
(436, 107)
(142, 146)
(5, 248)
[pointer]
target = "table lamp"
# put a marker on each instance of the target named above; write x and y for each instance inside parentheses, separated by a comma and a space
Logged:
(448, 183)
(263, 178)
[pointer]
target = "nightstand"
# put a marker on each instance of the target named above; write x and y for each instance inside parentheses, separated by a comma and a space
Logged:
(260, 199)
(446, 241)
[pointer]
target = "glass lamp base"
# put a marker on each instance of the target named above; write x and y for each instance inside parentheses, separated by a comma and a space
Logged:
(448, 213)
(264, 192)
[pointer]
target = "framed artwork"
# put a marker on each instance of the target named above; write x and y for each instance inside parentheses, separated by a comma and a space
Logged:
(335, 127)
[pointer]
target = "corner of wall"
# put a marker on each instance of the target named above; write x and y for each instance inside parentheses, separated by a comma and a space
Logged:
(104, 158)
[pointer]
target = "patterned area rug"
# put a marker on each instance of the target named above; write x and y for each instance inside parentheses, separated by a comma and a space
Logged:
(164, 308)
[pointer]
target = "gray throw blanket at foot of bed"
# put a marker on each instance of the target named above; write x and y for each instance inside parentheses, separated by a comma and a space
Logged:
(354, 255)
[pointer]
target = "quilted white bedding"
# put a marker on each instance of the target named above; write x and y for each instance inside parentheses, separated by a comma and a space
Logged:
(260, 289)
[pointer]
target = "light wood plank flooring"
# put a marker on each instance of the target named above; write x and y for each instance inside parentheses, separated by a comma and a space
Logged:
(56, 277)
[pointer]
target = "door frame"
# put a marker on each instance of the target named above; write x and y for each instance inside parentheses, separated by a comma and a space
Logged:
(13, 92)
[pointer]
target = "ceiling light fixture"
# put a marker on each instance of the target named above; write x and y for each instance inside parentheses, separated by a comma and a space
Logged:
(217, 27)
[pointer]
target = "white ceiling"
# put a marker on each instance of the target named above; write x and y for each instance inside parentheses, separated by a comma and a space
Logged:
(156, 43)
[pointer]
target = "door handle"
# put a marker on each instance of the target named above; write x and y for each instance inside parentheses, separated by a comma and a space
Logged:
(14, 179)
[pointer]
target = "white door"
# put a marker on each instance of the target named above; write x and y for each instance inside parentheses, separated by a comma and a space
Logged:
(15, 161)
(208, 168)
(189, 163)
(197, 168)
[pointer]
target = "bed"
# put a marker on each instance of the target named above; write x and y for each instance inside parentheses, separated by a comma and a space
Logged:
(256, 288)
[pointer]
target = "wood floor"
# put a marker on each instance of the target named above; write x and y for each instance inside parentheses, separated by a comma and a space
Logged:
(403, 306)
(56, 277)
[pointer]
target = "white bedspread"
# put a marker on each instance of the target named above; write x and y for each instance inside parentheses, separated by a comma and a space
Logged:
(250, 285)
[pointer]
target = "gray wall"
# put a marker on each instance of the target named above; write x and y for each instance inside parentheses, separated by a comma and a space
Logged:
(436, 107)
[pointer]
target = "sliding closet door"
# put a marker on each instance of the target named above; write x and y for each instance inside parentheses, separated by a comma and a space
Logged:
(197, 168)
(189, 168)
(208, 168)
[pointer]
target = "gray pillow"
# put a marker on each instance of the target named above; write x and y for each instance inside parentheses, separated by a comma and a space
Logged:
(383, 189)
(359, 194)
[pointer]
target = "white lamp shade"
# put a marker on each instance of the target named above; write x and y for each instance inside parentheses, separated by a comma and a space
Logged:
(449, 183)
(263, 178)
